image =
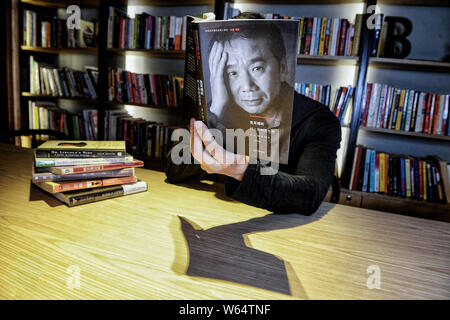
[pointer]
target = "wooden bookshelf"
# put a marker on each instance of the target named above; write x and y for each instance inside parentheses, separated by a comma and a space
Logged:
(143, 105)
(406, 133)
(410, 64)
(63, 3)
(436, 3)
(166, 54)
(327, 60)
(88, 51)
(45, 96)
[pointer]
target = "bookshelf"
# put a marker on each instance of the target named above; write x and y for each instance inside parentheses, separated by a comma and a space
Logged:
(354, 70)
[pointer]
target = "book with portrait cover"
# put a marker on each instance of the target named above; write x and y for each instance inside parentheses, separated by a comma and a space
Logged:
(239, 75)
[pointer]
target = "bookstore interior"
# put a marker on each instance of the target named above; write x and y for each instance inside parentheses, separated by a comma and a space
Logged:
(98, 94)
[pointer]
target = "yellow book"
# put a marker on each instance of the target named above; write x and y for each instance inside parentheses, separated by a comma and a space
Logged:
(323, 30)
(300, 34)
(81, 149)
(401, 106)
(382, 173)
(424, 179)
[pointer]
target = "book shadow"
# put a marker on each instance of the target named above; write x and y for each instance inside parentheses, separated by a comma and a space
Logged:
(37, 194)
(225, 252)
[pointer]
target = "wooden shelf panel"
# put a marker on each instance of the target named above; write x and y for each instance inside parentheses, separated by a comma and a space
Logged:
(44, 96)
(408, 64)
(300, 1)
(166, 54)
(143, 105)
(88, 51)
(327, 60)
(63, 3)
(407, 133)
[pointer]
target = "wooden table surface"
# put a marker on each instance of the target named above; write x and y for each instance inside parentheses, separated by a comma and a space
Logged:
(190, 242)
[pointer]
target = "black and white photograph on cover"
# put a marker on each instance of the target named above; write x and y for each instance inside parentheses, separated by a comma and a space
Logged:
(249, 71)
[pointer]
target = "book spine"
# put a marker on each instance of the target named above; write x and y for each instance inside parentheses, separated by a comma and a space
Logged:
(108, 193)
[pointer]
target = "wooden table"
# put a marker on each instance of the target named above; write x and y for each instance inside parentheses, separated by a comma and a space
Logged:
(190, 242)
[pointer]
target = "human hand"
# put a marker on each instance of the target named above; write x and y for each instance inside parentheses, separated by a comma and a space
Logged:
(212, 157)
(217, 61)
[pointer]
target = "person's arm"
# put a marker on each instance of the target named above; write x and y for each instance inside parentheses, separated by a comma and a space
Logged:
(303, 191)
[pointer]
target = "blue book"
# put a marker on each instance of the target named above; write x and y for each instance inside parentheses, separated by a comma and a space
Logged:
(372, 171)
(316, 44)
(366, 170)
(302, 89)
(402, 177)
(348, 94)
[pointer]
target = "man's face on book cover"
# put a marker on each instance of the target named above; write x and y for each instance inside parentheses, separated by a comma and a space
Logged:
(254, 75)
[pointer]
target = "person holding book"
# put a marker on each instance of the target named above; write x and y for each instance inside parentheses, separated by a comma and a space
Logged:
(253, 73)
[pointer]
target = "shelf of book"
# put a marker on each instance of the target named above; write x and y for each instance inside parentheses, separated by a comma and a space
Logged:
(167, 54)
(406, 133)
(45, 96)
(327, 60)
(63, 3)
(142, 105)
(409, 64)
(87, 51)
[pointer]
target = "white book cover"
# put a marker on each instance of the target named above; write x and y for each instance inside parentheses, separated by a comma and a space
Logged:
(440, 113)
(387, 110)
(372, 105)
(409, 111)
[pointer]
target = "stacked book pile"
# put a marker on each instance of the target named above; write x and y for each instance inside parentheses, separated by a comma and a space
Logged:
(79, 172)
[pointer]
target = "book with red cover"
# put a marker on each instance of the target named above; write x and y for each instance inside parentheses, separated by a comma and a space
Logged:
(94, 168)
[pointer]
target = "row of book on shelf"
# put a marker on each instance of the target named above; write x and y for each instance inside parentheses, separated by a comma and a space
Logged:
(144, 31)
(387, 107)
(148, 139)
(51, 32)
(82, 125)
(319, 36)
(47, 79)
(149, 89)
(399, 175)
(80, 172)
(335, 98)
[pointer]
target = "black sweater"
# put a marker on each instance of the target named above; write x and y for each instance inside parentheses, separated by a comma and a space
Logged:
(301, 185)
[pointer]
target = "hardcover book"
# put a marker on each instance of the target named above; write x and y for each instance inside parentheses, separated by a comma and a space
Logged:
(54, 187)
(239, 74)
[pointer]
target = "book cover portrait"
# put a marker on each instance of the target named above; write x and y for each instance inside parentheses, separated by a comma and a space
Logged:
(248, 68)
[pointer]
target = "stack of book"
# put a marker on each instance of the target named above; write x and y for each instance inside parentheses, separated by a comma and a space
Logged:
(79, 172)
(400, 175)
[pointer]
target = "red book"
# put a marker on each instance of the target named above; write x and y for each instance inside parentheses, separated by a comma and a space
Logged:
(426, 125)
(343, 36)
(309, 26)
(96, 167)
(386, 166)
(355, 170)
(366, 104)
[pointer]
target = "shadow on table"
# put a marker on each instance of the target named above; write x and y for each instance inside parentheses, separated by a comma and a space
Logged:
(37, 194)
(225, 253)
